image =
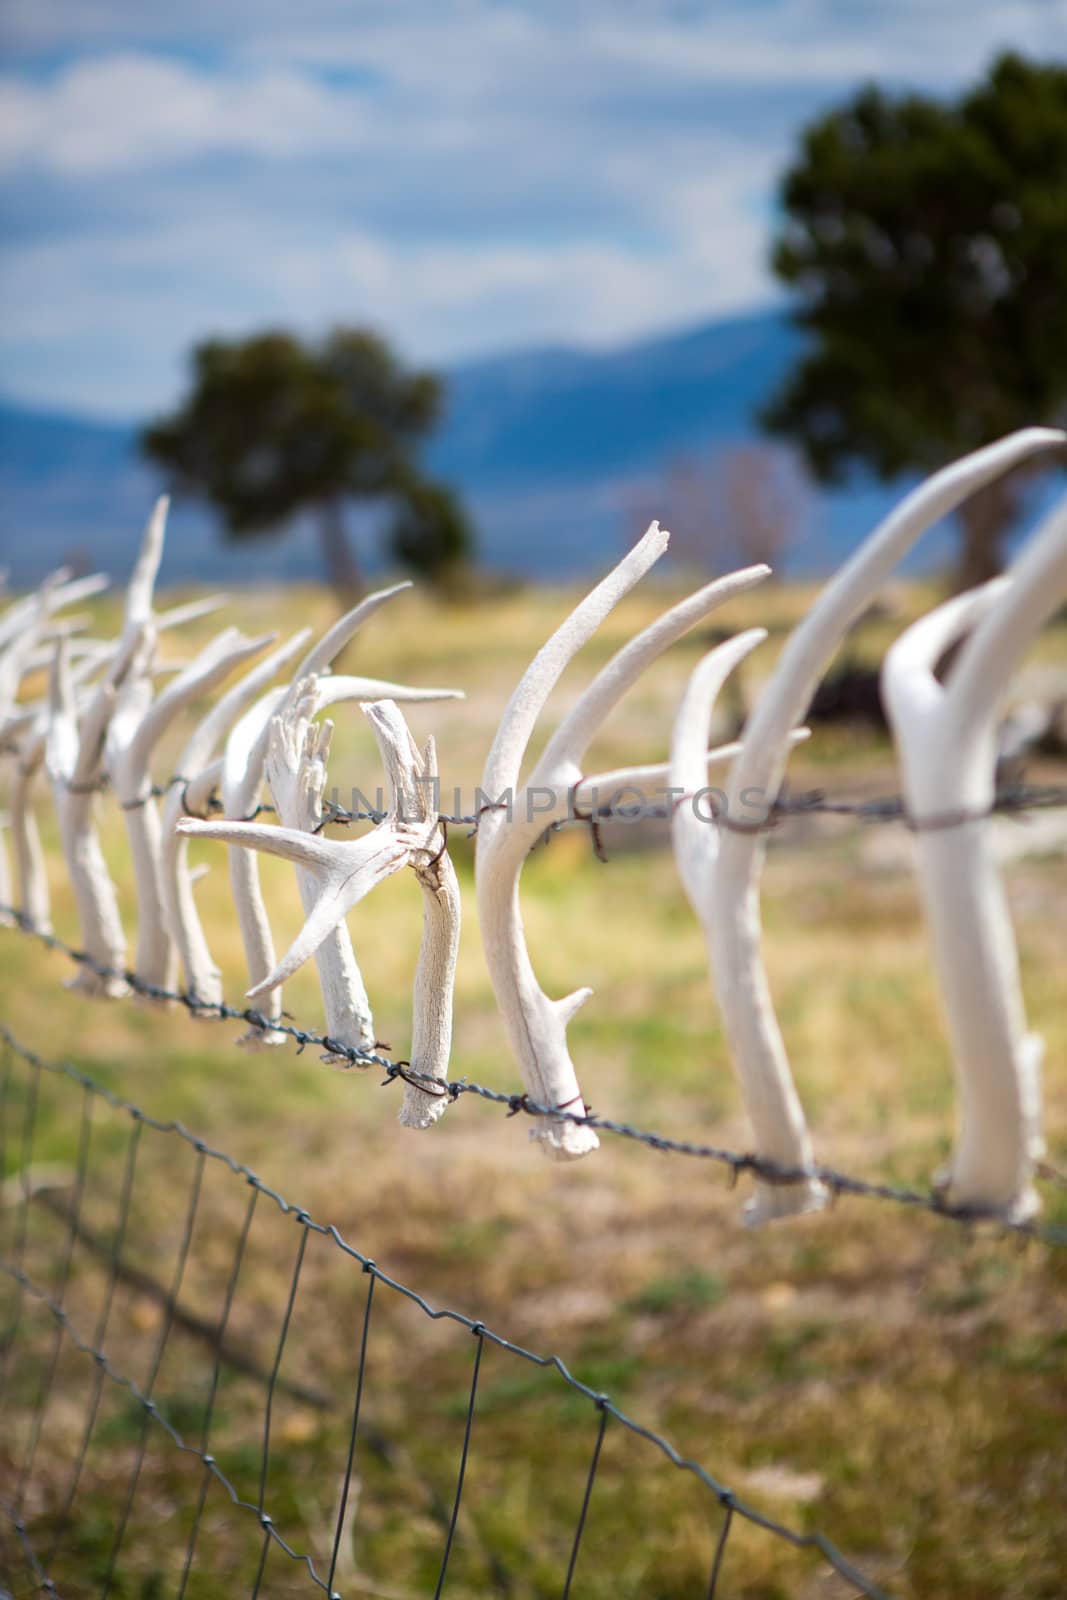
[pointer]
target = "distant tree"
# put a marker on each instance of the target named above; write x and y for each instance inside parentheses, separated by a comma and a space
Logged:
(928, 246)
(430, 533)
(746, 503)
(273, 426)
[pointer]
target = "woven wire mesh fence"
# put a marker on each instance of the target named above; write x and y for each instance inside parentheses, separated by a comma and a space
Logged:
(179, 1420)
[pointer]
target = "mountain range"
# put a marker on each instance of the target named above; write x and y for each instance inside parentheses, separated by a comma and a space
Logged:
(555, 452)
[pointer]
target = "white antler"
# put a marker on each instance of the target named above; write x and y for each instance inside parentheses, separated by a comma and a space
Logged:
(413, 778)
(21, 635)
(536, 1025)
(33, 898)
(946, 735)
(596, 793)
(243, 773)
(770, 1098)
(61, 590)
(24, 735)
(744, 995)
(203, 978)
(73, 755)
(137, 727)
(333, 875)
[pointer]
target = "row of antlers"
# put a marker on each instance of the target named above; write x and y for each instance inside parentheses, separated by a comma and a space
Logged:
(103, 719)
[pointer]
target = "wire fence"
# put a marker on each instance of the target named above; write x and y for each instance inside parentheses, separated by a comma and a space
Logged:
(78, 1525)
(1011, 799)
(46, 1531)
(736, 1163)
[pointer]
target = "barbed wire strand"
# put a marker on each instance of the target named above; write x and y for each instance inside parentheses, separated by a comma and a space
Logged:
(737, 1163)
(1010, 799)
(106, 1370)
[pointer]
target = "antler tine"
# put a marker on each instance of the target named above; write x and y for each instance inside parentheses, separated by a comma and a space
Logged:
(73, 759)
(22, 631)
(413, 779)
(190, 611)
(946, 737)
(54, 593)
(1035, 593)
(240, 784)
(596, 790)
(139, 722)
(435, 976)
(18, 645)
(560, 762)
(344, 872)
(333, 689)
(206, 670)
(33, 896)
(321, 656)
(27, 730)
(71, 590)
(154, 958)
(141, 587)
(202, 976)
(770, 1097)
(504, 762)
(296, 771)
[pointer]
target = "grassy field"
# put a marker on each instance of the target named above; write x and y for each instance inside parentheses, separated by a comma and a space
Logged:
(886, 1377)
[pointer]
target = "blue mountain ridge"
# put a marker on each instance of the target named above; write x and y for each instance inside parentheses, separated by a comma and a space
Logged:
(551, 449)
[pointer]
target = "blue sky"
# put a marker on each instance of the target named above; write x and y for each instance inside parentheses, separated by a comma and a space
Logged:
(466, 175)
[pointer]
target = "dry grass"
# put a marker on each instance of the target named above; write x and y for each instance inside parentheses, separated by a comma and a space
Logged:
(881, 1376)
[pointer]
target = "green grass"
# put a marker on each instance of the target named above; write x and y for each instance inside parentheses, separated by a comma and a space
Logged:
(872, 1373)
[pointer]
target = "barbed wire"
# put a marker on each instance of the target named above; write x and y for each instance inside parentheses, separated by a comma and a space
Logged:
(838, 1184)
(732, 1504)
(1015, 800)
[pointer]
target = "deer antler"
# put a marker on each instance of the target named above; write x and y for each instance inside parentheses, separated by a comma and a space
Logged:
(946, 737)
(770, 1097)
(536, 1025)
(413, 777)
(25, 734)
(202, 977)
(244, 769)
(740, 980)
(333, 875)
(73, 755)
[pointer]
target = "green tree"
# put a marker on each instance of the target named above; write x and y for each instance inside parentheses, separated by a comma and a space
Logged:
(431, 533)
(928, 245)
(273, 427)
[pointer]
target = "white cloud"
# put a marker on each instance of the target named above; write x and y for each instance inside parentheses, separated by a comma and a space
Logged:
(466, 174)
(130, 112)
(110, 318)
